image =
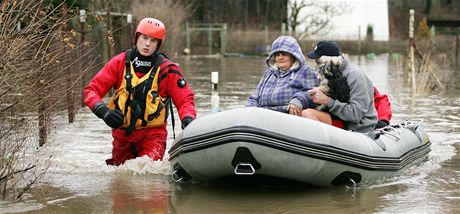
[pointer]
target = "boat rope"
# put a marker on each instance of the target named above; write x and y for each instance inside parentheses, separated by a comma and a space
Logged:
(392, 131)
(407, 122)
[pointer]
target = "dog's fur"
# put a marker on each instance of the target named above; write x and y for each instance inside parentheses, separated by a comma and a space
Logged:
(332, 83)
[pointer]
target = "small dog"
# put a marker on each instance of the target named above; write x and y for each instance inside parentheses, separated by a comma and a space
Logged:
(332, 83)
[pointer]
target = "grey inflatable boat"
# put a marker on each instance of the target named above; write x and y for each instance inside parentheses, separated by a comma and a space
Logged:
(260, 143)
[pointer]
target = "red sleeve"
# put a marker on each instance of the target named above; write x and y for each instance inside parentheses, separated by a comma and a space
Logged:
(109, 76)
(182, 97)
(382, 105)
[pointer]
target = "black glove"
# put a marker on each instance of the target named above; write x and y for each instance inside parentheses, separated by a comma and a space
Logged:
(187, 120)
(113, 118)
(381, 124)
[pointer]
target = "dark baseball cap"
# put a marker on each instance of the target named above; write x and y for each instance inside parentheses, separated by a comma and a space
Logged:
(325, 48)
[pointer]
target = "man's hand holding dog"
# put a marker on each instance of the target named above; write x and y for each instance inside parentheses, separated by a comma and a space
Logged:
(317, 96)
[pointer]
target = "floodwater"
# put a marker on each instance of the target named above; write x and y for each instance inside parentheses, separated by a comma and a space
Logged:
(80, 182)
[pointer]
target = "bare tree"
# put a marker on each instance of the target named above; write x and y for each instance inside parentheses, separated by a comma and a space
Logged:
(37, 72)
(315, 15)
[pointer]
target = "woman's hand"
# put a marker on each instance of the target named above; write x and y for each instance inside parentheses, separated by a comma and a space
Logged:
(294, 110)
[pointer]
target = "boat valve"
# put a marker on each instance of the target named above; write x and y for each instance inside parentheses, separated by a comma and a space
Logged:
(244, 169)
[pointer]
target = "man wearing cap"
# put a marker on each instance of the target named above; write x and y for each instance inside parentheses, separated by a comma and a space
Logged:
(359, 112)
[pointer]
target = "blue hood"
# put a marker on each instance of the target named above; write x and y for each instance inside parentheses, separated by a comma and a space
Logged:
(286, 44)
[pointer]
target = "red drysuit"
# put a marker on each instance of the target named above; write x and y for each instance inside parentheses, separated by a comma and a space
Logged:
(146, 141)
(382, 105)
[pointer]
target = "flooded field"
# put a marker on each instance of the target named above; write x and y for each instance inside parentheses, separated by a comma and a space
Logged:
(80, 182)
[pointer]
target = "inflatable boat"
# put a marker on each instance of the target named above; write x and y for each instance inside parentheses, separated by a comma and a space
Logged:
(260, 143)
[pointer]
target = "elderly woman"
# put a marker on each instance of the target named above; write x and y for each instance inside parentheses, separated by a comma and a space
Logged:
(286, 80)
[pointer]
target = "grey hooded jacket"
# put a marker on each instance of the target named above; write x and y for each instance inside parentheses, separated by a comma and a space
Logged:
(359, 113)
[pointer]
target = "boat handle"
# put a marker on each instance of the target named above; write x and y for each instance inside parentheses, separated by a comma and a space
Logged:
(244, 169)
(176, 177)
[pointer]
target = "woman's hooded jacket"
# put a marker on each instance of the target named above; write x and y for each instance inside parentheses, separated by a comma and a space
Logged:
(279, 88)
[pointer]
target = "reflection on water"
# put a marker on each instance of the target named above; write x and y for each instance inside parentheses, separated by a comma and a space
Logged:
(144, 194)
(81, 182)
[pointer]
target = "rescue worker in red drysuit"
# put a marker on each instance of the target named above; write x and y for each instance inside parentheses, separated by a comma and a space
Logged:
(383, 107)
(145, 85)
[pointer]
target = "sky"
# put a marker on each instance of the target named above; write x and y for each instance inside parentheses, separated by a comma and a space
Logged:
(361, 14)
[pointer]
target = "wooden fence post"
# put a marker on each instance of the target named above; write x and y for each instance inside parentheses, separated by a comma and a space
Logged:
(223, 39)
(411, 61)
(457, 47)
(82, 59)
(109, 36)
(129, 20)
(69, 77)
(42, 102)
(109, 30)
